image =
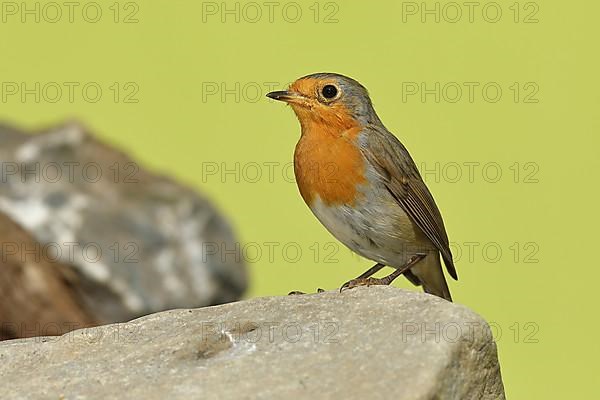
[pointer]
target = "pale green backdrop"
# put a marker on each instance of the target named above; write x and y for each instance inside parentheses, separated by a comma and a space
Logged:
(191, 79)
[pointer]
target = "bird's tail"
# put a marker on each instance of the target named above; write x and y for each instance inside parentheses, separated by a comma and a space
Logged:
(430, 275)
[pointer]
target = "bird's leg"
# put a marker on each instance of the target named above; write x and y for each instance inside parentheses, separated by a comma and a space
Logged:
(373, 270)
(386, 280)
(366, 280)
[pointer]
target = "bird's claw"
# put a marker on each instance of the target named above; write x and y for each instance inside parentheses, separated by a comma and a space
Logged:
(351, 284)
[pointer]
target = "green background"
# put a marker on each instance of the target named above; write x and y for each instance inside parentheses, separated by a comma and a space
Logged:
(539, 299)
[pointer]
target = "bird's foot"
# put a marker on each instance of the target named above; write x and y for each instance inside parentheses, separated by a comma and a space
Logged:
(295, 292)
(365, 280)
(351, 284)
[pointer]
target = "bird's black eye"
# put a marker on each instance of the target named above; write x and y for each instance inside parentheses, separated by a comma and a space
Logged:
(329, 91)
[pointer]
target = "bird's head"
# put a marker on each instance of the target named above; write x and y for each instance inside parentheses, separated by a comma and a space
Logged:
(334, 100)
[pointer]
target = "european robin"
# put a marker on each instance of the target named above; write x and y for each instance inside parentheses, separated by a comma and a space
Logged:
(363, 185)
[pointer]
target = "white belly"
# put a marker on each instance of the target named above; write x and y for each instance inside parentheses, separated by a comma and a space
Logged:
(376, 228)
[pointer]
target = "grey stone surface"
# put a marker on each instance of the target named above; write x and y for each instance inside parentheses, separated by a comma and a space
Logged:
(366, 343)
(139, 242)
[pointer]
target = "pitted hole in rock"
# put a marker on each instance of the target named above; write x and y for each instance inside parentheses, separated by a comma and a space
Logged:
(213, 345)
(219, 342)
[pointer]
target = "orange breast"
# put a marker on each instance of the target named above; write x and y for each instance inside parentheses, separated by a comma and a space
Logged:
(328, 163)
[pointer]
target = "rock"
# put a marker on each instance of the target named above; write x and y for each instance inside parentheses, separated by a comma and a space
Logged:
(138, 242)
(372, 343)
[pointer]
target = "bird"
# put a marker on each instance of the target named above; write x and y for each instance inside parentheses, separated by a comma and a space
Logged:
(361, 183)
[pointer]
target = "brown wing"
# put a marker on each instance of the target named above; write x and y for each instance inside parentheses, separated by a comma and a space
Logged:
(403, 180)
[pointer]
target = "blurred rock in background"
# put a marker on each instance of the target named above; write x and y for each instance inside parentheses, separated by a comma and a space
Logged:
(37, 295)
(98, 239)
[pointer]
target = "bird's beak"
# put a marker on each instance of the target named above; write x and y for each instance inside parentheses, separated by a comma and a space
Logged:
(285, 95)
